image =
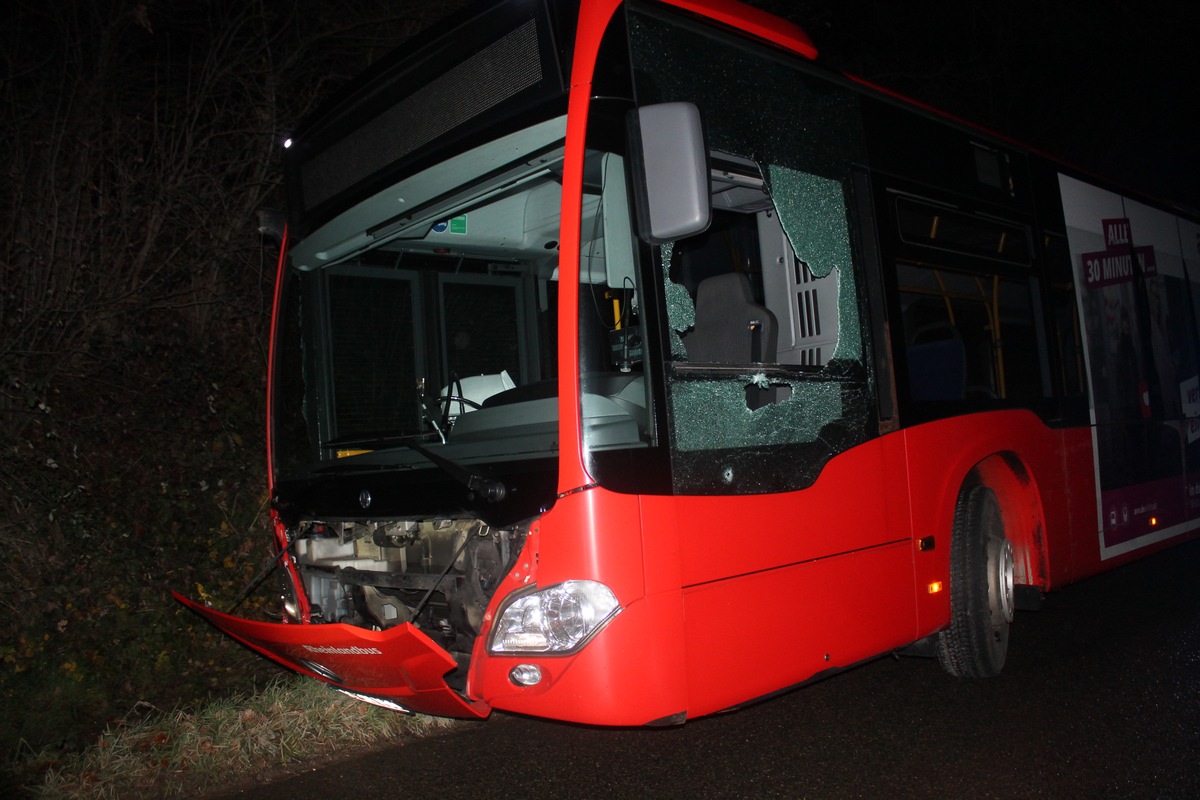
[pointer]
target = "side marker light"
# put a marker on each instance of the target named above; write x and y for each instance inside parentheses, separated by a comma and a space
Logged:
(935, 587)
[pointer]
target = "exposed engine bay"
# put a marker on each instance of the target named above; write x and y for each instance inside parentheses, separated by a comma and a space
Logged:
(436, 574)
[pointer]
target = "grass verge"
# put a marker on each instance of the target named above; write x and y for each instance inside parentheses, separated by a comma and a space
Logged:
(185, 754)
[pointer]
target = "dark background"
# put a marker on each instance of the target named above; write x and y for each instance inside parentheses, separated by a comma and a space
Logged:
(1107, 86)
(1098, 700)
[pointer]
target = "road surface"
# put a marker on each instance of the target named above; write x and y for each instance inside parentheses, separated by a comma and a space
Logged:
(1100, 698)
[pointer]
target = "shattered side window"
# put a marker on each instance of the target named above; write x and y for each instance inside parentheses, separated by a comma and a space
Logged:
(813, 214)
(766, 378)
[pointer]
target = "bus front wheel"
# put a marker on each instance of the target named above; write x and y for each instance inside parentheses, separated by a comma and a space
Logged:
(975, 644)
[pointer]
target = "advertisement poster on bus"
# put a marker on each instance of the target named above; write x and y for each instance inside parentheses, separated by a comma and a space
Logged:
(1136, 271)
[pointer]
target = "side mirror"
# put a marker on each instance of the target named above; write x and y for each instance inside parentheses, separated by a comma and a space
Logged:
(669, 161)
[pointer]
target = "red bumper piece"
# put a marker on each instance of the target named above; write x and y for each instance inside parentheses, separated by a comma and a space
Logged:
(401, 663)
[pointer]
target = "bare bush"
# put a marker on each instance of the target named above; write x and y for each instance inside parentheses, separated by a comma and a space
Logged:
(138, 141)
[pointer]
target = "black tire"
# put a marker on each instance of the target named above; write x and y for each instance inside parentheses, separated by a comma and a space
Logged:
(981, 589)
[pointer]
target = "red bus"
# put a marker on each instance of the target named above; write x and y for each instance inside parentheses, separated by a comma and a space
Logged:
(629, 367)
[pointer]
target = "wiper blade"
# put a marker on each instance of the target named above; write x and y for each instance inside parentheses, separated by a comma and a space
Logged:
(487, 489)
(372, 439)
(490, 490)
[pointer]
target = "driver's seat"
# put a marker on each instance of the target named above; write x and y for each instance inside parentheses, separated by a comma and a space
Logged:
(730, 327)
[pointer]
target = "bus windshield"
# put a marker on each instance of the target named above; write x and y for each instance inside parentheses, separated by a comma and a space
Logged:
(405, 324)
(433, 331)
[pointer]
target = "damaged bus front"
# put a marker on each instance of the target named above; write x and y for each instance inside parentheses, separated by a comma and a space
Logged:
(523, 322)
(437, 216)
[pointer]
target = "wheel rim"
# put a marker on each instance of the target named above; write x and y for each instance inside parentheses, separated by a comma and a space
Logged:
(1000, 590)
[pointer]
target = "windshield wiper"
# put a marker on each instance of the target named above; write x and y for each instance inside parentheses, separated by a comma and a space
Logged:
(490, 490)
(364, 439)
(487, 489)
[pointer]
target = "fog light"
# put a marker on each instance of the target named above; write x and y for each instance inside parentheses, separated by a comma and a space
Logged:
(526, 675)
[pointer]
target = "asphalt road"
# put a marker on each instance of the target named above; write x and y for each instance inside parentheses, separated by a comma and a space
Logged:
(1100, 698)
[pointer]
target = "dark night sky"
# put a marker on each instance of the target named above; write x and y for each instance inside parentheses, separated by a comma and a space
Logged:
(1107, 86)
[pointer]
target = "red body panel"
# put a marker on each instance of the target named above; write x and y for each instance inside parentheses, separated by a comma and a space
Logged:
(793, 623)
(593, 20)
(715, 573)
(401, 663)
(787, 572)
(741, 596)
(628, 674)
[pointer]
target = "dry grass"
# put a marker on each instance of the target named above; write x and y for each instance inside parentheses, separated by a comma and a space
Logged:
(182, 754)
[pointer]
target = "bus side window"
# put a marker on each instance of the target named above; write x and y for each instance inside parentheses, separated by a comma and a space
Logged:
(806, 305)
(937, 363)
(756, 421)
(1071, 376)
(968, 336)
(775, 311)
(729, 323)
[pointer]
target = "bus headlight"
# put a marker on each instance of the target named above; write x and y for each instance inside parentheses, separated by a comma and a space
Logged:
(557, 620)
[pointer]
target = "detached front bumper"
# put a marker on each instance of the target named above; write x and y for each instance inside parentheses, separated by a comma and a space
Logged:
(401, 664)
